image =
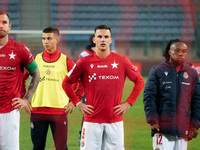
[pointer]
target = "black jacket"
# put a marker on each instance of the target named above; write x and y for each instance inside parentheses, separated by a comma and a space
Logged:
(172, 99)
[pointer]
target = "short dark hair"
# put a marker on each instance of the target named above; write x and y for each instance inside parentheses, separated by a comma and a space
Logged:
(51, 30)
(4, 13)
(92, 44)
(166, 53)
(102, 27)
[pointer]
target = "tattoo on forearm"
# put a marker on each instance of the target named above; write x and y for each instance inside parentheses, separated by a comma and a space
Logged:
(35, 78)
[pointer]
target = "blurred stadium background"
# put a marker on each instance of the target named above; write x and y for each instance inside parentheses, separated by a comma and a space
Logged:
(140, 28)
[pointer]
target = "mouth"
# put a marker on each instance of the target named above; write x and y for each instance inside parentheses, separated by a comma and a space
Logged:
(103, 45)
(180, 59)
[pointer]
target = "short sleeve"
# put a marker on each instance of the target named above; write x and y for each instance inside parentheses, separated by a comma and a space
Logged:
(26, 56)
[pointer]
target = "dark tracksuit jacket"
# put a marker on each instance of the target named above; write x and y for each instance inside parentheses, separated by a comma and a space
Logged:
(172, 99)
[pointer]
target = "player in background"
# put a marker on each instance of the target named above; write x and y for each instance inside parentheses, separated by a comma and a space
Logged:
(90, 49)
(103, 75)
(14, 57)
(50, 104)
(172, 99)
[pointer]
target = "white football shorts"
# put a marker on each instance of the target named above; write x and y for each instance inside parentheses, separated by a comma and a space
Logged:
(9, 130)
(168, 142)
(97, 136)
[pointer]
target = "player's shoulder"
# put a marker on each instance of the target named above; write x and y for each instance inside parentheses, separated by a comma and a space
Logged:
(17, 45)
(88, 57)
(84, 54)
(119, 57)
(63, 55)
(189, 66)
(39, 54)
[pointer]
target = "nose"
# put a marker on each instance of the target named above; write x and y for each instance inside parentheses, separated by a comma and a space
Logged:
(102, 39)
(181, 54)
(45, 40)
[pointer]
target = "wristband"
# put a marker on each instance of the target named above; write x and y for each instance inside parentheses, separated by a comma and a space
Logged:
(78, 104)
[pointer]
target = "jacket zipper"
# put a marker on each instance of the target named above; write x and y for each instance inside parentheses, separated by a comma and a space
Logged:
(177, 76)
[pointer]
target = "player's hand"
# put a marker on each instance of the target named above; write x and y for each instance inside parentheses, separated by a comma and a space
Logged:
(194, 133)
(121, 108)
(28, 108)
(69, 107)
(85, 109)
(20, 103)
(155, 127)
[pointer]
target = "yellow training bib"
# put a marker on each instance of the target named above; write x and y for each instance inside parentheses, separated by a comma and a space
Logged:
(49, 92)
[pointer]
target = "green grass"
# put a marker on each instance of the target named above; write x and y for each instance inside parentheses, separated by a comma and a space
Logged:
(136, 130)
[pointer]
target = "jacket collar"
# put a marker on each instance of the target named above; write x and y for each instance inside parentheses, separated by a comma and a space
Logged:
(51, 57)
(185, 65)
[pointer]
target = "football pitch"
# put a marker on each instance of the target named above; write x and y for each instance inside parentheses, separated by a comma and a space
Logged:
(137, 134)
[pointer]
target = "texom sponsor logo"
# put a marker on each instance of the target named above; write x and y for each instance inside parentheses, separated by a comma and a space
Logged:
(108, 77)
(92, 77)
(7, 68)
(105, 77)
(48, 79)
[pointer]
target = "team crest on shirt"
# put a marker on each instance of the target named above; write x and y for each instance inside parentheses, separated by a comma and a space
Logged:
(157, 148)
(48, 72)
(185, 75)
(114, 65)
(12, 55)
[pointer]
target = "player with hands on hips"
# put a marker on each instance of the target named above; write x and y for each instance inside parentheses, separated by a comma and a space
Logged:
(14, 57)
(103, 75)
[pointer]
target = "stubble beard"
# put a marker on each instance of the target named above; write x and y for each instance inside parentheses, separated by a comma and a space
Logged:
(4, 34)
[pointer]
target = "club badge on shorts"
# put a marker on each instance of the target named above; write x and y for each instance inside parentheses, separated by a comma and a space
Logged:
(83, 137)
(157, 148)
(82, 143)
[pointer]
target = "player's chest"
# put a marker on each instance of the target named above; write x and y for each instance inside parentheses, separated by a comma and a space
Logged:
(9, 58)
(104, 70)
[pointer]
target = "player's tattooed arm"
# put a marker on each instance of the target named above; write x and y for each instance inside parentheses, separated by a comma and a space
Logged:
(24, 102)
(32, 84)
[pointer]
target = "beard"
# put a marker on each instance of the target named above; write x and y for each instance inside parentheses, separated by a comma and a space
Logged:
(3, 34)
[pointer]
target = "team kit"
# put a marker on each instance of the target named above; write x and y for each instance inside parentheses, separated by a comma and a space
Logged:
(57, 85)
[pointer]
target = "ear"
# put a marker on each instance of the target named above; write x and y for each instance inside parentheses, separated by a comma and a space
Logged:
(58, 40)
(93, 39)
(10, 26)
(169, 52)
